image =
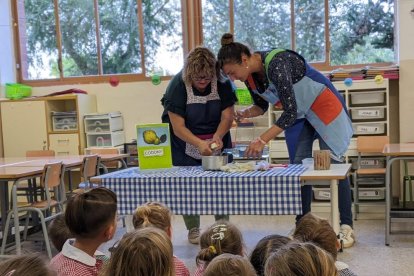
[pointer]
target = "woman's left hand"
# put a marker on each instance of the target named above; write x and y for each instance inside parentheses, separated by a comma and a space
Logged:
(255, 149)
(217, 142)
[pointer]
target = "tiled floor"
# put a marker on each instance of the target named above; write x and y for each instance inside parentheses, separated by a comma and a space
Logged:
(369, 255)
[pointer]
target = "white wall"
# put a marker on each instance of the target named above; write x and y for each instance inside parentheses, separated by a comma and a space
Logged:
(7, 60)
(406, 55)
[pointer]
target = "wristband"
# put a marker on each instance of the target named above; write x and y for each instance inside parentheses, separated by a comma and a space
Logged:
(261, 140)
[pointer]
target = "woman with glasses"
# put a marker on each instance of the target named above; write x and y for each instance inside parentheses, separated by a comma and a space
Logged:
(199, 106)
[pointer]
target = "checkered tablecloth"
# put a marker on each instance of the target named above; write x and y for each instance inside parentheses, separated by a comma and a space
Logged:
(191, 190)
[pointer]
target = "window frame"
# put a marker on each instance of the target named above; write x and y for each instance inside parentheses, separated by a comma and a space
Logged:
(191, 16)
(88, 79)
(322, 66)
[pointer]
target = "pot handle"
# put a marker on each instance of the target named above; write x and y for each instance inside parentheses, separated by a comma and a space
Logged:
(229, 156)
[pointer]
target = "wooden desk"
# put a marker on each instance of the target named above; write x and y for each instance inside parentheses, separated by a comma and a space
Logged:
(395, 152)
(337, 172)
(21, 168)
(15, 174)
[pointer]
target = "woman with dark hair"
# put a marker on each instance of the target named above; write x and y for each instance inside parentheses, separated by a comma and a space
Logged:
(312, 109)
(199, 106)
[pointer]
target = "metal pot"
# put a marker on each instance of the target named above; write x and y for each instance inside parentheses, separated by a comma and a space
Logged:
(214, 162)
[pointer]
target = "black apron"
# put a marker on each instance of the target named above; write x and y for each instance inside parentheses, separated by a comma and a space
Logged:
(202, 118)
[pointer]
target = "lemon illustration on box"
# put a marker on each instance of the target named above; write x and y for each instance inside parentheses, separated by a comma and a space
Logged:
(154, 147)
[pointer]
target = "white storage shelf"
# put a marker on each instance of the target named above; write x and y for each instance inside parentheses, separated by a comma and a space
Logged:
(111, 139)
(104, 122)
(104, 130)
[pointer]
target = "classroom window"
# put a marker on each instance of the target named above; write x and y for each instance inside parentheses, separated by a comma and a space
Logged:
(68, 41)
(327, 33)
(79, 39)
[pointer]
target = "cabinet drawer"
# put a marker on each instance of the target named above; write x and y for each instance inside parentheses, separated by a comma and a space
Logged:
(65, 123)
(104, 122)
(368, 113)
(111, 139)
(367, 98)
(374, 193)
(369, 128)
(322, 193)
(64, 144)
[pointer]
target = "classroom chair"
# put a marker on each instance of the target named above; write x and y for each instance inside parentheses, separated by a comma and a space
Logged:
(407, 179)
(368, 146)
(30, 189)
(90, 168)
(105, 165)
(51, 180)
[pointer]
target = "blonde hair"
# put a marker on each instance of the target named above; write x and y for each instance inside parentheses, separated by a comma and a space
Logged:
(145, 252)
(230, 265)
(300, 259)
(153, 214)
(221, 237)
(311, 228)
(26, 265)
(200, 62)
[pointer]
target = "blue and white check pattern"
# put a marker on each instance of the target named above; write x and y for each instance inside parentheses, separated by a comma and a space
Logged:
(191, 190)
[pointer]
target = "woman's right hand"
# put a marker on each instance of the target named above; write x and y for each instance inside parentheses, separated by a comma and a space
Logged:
(204, 148)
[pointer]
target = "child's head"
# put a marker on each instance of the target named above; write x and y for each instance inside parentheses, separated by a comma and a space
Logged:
(152, 214)
(146, 251)
(311, 228)
(264, 248)
(300, 259)
(59, 232)
(93, 213)
(26, 265)
(230, 265)
(221, 237)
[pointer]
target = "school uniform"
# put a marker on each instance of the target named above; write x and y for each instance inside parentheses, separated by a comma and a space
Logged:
(72, 261)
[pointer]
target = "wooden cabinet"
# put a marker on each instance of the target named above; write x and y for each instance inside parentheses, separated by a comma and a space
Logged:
(28, 124)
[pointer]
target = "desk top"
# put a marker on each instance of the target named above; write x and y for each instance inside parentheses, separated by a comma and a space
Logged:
(68, 161)
(401, 149)
(337, 171)
(11, 172)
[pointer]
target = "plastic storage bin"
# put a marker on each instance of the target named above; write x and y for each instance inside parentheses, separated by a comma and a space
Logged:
(368, 113)
(369, 128)
(112, 139)
(15, 91)
(243, 96)
(367, 98)
(64, 122)
(108, 122)
(372, 193)
(322, 193)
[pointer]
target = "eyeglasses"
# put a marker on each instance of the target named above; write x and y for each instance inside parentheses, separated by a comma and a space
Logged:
(202, 78)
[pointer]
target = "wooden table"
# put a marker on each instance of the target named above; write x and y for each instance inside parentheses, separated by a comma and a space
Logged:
(333, 175)
(395, 152)
(17, 169)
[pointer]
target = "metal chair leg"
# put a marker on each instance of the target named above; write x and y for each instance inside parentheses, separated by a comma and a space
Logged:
(45, 235)
(26, 226)
(6, 233)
